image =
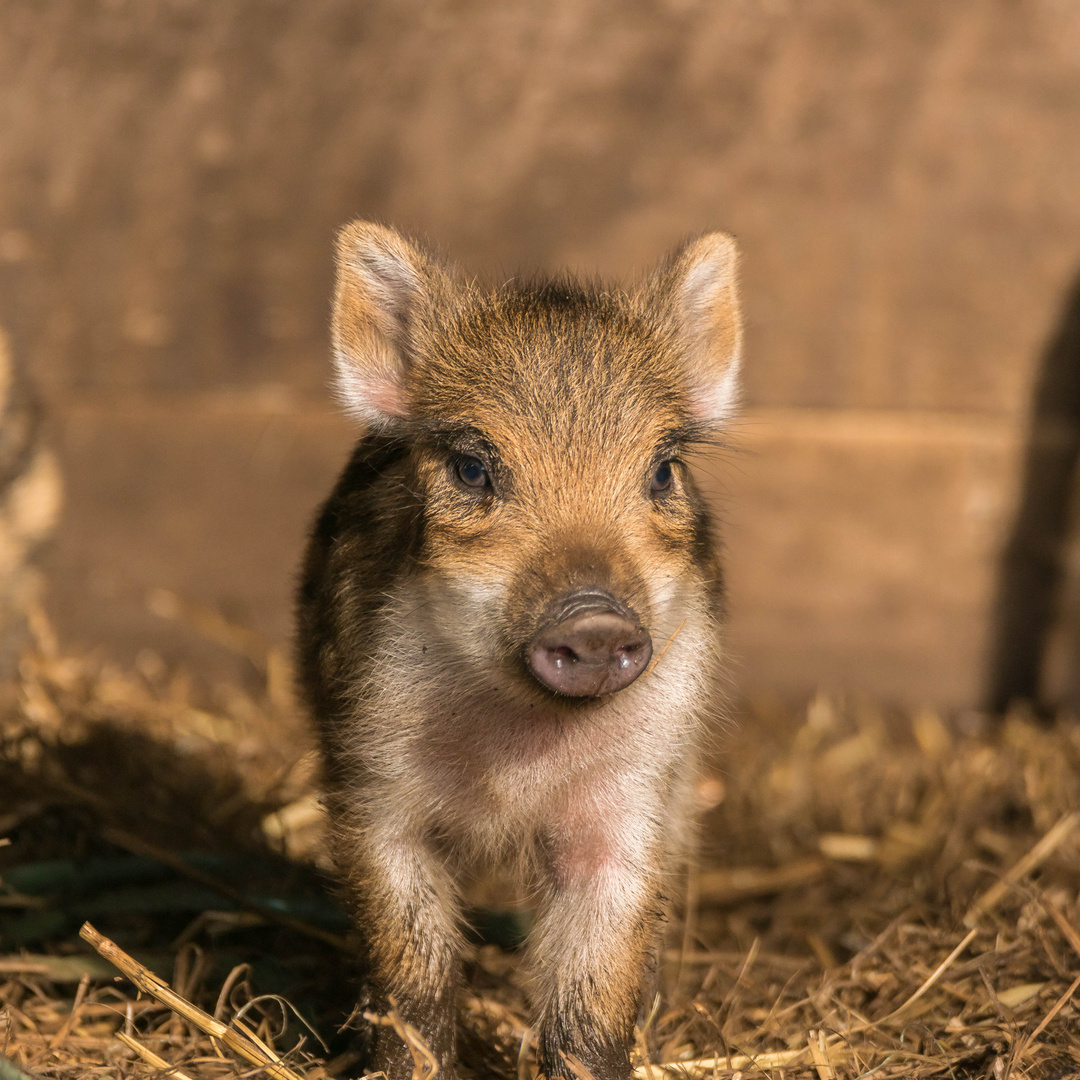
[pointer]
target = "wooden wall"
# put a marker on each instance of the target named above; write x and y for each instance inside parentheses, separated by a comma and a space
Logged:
(902, 178)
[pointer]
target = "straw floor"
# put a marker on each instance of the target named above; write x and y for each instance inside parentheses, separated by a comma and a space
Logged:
(876, 894)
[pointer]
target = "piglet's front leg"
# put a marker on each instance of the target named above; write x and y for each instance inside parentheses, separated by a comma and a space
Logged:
(408, 916)
(589, 952)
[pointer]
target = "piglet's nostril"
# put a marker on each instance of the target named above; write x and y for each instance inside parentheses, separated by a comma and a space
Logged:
(590, 653)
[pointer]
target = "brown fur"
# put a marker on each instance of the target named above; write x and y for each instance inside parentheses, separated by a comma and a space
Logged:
(444, 756)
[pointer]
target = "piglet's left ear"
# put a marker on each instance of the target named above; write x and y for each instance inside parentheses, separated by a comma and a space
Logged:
(697, 289)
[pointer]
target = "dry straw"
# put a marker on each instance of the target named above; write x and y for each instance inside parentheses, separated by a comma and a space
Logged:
(879, 894)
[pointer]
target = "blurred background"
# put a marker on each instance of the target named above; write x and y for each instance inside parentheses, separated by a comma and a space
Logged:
(903, 179)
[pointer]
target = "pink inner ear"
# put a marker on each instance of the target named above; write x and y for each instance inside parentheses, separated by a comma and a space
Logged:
(717, 400)
(370, 396)
(387, 396)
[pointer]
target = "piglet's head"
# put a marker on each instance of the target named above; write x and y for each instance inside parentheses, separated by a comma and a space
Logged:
(390, 293)
(547, 424)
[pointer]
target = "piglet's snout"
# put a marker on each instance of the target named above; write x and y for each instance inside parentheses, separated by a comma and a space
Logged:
(592, 648)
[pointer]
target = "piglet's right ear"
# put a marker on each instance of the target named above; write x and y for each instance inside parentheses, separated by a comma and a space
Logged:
(386, 291)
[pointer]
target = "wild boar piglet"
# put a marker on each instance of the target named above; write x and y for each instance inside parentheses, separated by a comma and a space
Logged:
(509, 622)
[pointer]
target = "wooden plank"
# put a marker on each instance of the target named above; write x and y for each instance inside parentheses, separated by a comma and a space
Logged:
(863, 549)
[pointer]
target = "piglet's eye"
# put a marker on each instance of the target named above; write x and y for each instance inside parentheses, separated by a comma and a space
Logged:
(662, 478)
(472, 473)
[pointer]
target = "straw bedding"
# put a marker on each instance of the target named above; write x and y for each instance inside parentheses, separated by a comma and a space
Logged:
(876, 894)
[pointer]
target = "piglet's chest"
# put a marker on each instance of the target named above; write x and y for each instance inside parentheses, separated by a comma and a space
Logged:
(516, 770)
